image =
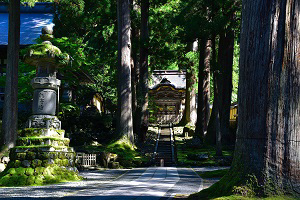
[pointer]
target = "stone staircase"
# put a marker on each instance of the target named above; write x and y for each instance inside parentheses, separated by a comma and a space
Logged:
(164, 148)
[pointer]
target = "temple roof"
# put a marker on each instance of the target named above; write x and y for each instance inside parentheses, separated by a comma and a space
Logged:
(32, 22)
(173, 78)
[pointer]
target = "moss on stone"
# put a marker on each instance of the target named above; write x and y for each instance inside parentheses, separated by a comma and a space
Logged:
(29, 171)
(49, 179)
(45, 163)
(20, 171)
(12, 171)
(30, 155)
(27, 132)
(65, 162)
(38, 176)
(4, 180)
(30, 180)
(36, 163)
(21, 156)
(22, 180)
(39, 170)
(17, 163)
(38, 180)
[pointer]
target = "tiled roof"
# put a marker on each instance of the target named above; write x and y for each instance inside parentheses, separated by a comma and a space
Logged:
(32, 22)
(171, 77)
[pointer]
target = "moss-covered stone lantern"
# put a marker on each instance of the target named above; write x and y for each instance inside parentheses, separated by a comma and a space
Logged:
(42, 154)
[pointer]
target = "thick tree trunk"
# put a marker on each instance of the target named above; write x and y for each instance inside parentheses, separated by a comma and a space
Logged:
(190, 111)
(10, 109)
(124, 122)
(144, 69)
(210, 137)
(217, 120)
(203, 88)
(134, 69)
(268, 137)
(225, 61)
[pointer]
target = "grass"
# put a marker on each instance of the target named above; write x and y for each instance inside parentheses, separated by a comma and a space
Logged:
(214, 174)
(236, 197)
(185, 153)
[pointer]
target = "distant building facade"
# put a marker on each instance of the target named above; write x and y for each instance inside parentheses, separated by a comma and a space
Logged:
(167, 93)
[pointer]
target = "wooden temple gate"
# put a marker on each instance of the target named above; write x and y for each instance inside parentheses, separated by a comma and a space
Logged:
(168, 97)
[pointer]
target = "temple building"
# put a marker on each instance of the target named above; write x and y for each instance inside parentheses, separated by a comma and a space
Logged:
(167, 96)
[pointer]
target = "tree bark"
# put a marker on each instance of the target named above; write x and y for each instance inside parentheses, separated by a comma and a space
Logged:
(144, 69)
(210, 137)
(203, 88)
(135, 68)
(225, 61)
(268, 137)
(124, 123)
(10, 109)
(206, 86)
(190, 111)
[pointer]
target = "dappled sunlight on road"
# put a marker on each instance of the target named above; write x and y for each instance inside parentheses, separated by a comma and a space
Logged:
(139, 183)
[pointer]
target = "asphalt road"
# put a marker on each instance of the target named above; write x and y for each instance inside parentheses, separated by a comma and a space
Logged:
(141, 183)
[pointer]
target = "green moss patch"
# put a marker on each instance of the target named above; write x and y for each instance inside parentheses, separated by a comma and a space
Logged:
(236, 197)
(190, 155)
(36, 141)
(38, 176)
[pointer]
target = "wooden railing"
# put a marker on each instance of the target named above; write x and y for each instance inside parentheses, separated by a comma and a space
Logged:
(86, 159)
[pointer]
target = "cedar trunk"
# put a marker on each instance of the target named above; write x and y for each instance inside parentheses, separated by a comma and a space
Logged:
(225, 61)
(10, 109)
(190, 112)
(203, 88)
(124, 122)
(143, 94)
(268, 137)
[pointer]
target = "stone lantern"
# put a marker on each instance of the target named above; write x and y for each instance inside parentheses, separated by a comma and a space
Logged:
(42, 154)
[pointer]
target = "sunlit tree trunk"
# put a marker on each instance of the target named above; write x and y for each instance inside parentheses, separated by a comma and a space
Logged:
(190, 111)
(210, 137)
(203, 88)
(268, 137)
(10, 109)
(124, 122)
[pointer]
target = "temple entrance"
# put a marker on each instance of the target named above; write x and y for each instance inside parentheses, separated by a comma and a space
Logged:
(168, 96)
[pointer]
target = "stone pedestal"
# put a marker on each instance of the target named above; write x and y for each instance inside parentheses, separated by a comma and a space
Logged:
(42, 154)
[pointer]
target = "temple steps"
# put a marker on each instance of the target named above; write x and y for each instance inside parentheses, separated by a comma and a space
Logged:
(164, 155)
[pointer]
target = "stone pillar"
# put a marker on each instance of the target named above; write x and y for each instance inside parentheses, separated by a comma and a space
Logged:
(45, 103)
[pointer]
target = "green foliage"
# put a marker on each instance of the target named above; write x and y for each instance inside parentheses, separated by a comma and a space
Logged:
(87, 126)
(235, 72)
(87, 32)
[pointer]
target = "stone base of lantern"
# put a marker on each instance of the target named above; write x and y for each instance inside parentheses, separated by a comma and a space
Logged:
(44, 121)
(42, 156)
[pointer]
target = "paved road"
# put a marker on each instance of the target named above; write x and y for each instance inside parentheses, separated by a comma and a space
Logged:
(138, 184)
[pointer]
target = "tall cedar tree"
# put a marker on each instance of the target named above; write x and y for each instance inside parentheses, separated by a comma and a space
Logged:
(203, 87)
(190, 112)
(143, 94)
(268, 137)
(124, 122)
(10, 109)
